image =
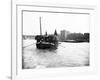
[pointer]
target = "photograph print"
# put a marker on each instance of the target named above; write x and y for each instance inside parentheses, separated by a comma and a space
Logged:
(55, 39)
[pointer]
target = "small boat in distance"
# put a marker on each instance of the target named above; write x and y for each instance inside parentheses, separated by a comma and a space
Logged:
(46, 41)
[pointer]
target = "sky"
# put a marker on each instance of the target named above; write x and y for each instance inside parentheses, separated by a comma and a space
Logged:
(51, 21)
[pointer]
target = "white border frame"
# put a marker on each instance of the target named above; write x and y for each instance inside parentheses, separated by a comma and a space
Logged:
(17, 72)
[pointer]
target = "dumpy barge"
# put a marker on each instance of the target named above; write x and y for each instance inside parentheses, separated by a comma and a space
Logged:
(46, 41)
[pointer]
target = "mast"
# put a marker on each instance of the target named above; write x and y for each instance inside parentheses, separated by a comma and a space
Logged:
(40, 27)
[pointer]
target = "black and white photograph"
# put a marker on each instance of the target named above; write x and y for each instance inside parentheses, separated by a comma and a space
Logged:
(53, 39)
(50, 40)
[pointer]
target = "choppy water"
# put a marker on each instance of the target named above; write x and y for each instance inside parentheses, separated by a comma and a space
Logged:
(67, 55)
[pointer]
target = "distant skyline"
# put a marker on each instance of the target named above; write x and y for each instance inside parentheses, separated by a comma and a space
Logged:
(51, 21)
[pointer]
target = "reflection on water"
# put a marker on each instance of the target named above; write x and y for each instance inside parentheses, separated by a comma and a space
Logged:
(67, 55)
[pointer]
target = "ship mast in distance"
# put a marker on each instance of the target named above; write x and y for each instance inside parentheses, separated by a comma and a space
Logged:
(40, 27)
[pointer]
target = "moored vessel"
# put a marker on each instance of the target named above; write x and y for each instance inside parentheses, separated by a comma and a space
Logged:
(46, 41)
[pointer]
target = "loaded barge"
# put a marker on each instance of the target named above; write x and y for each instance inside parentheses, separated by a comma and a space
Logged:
(46, 41)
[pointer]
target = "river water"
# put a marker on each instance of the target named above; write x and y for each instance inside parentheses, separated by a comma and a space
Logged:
(67, 55)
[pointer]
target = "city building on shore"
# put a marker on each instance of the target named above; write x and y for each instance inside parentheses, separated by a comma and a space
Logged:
(28, 37)
(63, 35)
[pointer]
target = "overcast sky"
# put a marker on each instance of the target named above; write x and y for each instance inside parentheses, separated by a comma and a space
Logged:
(51, 21)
